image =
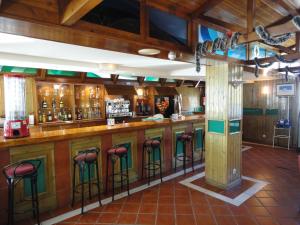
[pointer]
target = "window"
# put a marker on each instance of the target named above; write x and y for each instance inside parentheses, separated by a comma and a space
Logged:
(209, 34)
(118, 14)
(168, 27)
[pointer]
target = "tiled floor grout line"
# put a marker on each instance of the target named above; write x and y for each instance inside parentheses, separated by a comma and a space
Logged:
(193, 210)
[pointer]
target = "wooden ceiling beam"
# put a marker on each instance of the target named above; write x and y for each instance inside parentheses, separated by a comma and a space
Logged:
(279, 47)
(273, 31)
(251, 5)
(205, 7)
(76, 9)
(219, 24)
(291, 56)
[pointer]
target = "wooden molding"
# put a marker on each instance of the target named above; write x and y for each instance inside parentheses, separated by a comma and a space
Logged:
(141, 80)
(114, 78)
(179, 83)
(295, 55)
(162, 81)
(76, 9)
(205, 7)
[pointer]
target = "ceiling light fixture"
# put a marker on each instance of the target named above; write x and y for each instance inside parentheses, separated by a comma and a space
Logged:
(149, 51)
(109, 67)
(172, 55)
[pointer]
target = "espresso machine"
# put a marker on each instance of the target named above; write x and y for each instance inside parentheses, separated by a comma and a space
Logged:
(15, 124)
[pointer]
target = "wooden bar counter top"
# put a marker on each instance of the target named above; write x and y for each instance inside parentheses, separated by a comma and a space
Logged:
(64, 134)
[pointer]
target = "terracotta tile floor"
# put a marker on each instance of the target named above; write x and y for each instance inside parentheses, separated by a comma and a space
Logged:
(171, 203)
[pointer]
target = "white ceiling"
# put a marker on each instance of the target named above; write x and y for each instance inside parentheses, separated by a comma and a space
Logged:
(30, 52)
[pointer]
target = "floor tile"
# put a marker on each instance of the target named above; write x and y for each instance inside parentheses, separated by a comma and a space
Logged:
(125, 218)
(148, 219)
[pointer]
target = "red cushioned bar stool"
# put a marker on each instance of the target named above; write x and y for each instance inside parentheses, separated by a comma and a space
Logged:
(186, 139)
(114, 154)
(16, 172)
(84, 160)
(151, 146)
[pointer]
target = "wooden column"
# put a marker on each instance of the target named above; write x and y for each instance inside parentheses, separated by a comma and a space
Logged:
(223, 121)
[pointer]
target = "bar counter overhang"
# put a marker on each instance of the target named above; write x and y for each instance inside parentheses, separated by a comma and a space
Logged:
(57, 148)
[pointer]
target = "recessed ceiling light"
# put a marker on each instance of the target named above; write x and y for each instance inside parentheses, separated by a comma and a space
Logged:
(149, 51)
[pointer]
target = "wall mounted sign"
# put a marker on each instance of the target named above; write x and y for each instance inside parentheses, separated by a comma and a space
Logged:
(285, 89)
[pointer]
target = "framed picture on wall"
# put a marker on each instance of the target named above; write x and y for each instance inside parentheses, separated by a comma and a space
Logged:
(285, 89)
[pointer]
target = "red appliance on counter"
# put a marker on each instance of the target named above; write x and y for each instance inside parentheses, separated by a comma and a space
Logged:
(15, 124)
(16, 128)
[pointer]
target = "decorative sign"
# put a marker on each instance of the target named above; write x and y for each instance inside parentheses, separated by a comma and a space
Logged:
(216, 126)
(285, 89)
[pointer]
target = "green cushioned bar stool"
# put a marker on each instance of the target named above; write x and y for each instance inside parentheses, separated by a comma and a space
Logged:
(114, 154)
(86, 159)
(186, 139)
(150, 147)
(16, 172)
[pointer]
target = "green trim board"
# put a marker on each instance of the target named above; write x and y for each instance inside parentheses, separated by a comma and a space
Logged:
(234, 126)
(14, 69)
(92, 75)
(252, 111)
(216, 126)
(41, 179)
(272, 112)
(130, 163)
(62, 73)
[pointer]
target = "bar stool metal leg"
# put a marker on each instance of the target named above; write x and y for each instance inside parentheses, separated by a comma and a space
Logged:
(98, 182)
(37, 200)
(89, 178)
(74, 188)
(10, 201)
(106, 178)
(33, 197)
(143, 155)
(160, 167)
(153, 161)
(82, 185)
(148, 167)
(176, 144)
(184, 156)
(192, 149)
(121, 171)
(113, 180)
(127, 173)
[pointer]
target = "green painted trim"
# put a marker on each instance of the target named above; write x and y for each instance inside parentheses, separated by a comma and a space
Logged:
(234, 126)
(130, 163)
(272, 112)
(14, 69)
(92, 75)
(62, 73)
(252, 111)
(216, 126)
(151, 78)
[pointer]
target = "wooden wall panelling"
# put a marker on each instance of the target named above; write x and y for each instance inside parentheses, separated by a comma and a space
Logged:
(155, 134)
(80, 145)
(190, 98)
(4, 161)
(46, 177)
(130, 139)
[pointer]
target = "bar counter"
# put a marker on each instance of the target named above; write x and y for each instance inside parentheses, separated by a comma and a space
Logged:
(57, 148)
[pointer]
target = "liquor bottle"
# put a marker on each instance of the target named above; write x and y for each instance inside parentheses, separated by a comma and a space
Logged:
(61, 103)
(70, 115)
(44, 104)
(44, 120)
(53, 103)
(50, 116)
(55, 117)
(65, 116)
(40, 116)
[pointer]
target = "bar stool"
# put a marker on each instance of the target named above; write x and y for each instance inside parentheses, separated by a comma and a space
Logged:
(185, 138)
(83, 159)
(16, 172)
(203, 145)
(118, 152)
(150, 146)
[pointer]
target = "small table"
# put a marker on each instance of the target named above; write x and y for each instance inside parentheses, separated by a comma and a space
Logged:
(287, 135)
